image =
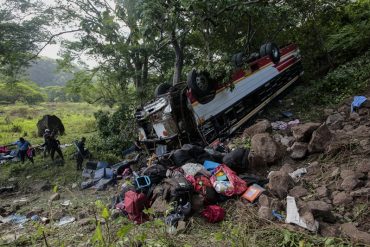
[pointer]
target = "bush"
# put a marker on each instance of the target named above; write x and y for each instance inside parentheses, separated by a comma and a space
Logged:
(346, 80)
(115, 131)
(26, 92)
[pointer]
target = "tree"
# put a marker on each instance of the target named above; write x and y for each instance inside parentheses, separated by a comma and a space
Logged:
(25, 30)
(111, 34)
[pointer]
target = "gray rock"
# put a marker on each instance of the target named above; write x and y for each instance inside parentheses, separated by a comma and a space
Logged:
(363, 166)
(346, 173)
(349, 183)
(328, 112)
(347, 128)
(367, 185)
(321, 209)
(361, 192)
(363, 112)
(335, 120)
(279, 184)
(350, 230)
(303, 132)
(298, 191)
(327, 230)
(342, 198)
(320, 139)
(354, 116)
(264, 201)
(54, 197)
(287, 168)
(259, 127)
(322, 191)
(265, 213)
(313, 168)
(264, 149)
(335, 173)
(287, 141)
(299, 150)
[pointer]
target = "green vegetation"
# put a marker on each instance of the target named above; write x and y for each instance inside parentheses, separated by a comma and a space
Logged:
(25, 91)
(140, 44)
(20, 120)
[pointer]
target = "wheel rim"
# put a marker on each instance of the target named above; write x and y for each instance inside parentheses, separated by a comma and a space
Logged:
(201, 83)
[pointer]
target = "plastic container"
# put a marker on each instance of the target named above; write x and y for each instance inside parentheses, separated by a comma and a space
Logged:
(210, 165)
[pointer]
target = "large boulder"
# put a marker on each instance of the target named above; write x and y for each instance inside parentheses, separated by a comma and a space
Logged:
(50, 122)
(320, 139)
(259, 127)
(303, 132)
(264, 150)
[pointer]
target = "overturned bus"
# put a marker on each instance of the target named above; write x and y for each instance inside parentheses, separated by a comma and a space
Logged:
(203, 109)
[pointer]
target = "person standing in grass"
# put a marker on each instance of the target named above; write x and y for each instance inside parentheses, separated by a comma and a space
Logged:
(54, 144)
(81, 153)
(46, 144)
(23, 147)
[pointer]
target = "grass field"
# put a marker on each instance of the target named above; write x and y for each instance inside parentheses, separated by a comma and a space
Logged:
(20, 120)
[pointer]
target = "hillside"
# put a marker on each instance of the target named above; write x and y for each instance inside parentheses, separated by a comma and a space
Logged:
(45, 73)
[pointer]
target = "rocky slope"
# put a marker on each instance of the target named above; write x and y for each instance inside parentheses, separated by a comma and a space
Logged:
(336, 188)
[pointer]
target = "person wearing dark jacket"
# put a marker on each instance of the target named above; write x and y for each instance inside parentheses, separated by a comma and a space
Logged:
(54, 144)
(46, 143)
(81, 153)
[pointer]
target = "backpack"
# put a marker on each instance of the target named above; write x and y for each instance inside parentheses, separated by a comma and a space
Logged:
(134, 204)
(156, 173)
(177, 189)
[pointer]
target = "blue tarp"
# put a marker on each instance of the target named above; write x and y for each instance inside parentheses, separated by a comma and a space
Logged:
(357, 102)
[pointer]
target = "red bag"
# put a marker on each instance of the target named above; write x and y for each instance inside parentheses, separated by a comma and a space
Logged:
(213, 213)
(135, 203)
(203, 186)
(4, 150)
(31, 152)
(238, 185)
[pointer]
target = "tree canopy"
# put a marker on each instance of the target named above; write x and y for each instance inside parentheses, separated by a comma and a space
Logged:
(138, 44)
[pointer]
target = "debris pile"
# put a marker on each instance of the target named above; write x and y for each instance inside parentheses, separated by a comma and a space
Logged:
(314, 176)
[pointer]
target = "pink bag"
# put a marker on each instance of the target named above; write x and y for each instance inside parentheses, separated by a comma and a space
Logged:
(238, 185)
